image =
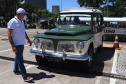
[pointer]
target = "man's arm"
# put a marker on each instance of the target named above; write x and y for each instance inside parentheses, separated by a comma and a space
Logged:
(9, 32)
(26, 36)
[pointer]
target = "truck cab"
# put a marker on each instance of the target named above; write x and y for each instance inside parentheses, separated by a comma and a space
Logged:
(78, 36)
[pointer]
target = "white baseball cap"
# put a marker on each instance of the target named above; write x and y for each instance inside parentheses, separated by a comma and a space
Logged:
(21, 10)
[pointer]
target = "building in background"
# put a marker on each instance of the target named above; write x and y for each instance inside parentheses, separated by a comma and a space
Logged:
(40, 3)
(55, 9)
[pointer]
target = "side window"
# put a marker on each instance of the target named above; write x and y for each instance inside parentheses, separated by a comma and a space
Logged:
(100, 20)
(95, 20)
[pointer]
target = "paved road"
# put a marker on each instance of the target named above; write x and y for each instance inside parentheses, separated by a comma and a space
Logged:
(30, 32)
(56, 73)
(60, 73)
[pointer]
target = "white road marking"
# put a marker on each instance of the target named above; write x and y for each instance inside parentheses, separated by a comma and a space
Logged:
(5, 50)
(6, 71)
(112, 80)
(8, 50)
(28, 67)
(98, 80)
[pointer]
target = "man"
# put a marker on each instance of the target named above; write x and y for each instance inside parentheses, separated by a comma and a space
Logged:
(16, 35)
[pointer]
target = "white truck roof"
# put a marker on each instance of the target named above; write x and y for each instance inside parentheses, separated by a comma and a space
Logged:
(81, 10)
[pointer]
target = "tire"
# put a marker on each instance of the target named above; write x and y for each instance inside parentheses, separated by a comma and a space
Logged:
(40, 61)
(89, 61)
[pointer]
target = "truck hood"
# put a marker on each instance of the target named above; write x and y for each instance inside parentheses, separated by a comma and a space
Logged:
(82, 37)
(70, 30)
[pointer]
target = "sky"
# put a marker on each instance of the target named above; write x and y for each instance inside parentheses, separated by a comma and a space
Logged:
(65, 4)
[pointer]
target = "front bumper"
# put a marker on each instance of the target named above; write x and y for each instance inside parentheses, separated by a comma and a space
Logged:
(57, 55)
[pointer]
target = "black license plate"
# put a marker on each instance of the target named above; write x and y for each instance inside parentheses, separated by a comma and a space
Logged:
(54, 59)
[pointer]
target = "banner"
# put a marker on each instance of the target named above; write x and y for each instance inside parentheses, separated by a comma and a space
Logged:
(115, 31)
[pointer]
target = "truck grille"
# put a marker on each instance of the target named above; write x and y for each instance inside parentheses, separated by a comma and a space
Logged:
(68, 47)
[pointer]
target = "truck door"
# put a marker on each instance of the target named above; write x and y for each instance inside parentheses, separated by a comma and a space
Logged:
(97, 28)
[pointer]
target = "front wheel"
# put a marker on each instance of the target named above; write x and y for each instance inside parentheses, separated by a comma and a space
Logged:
(40, 61)
(89, 61)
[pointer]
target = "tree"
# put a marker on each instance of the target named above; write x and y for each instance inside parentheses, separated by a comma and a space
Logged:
(39, 12)
(33, 15)
(45, 13)
(2, 7)
(55, 16)
(115, 7)
(90, 3)
(31, 9)
(1, 17)
(7, 8)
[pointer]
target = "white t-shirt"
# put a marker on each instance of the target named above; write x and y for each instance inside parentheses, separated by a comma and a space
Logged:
(18, 33)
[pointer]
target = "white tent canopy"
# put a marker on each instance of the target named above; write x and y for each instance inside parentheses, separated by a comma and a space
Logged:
(115, 19)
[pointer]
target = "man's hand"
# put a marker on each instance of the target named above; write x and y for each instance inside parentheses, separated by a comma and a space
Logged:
(30, 43)
(14, 49)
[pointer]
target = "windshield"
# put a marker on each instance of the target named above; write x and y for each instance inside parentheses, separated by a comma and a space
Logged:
(75, 19)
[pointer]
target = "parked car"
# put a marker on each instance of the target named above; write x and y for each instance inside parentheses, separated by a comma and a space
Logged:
(47, 24)
(3, 23)
(43, 23)
(29, 24)
(78, 36)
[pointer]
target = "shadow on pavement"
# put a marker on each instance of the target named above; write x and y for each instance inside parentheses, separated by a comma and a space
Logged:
(39, 76)
(100, 57)
(99, 61)
(73, 68)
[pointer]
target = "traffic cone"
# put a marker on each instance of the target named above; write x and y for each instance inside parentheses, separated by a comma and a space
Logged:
(116, 43)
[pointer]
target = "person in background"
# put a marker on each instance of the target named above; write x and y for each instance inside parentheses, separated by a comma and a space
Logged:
(16, 35)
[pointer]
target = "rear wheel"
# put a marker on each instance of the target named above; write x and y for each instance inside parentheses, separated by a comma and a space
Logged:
(40, 61)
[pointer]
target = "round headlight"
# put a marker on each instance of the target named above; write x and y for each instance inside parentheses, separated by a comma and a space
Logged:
(80, 45)
(36, 41)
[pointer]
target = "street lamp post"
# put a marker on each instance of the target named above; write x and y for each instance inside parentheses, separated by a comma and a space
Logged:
(61, 5)
(107, 7)
(104, 10)
(15, 8)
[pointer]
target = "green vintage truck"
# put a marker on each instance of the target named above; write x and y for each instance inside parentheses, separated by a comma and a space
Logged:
(78, 36)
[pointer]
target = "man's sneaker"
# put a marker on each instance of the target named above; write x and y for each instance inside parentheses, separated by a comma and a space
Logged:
(28, 78)
(17, 72)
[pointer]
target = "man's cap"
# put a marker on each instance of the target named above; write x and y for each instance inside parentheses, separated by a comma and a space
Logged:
(21, 10)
